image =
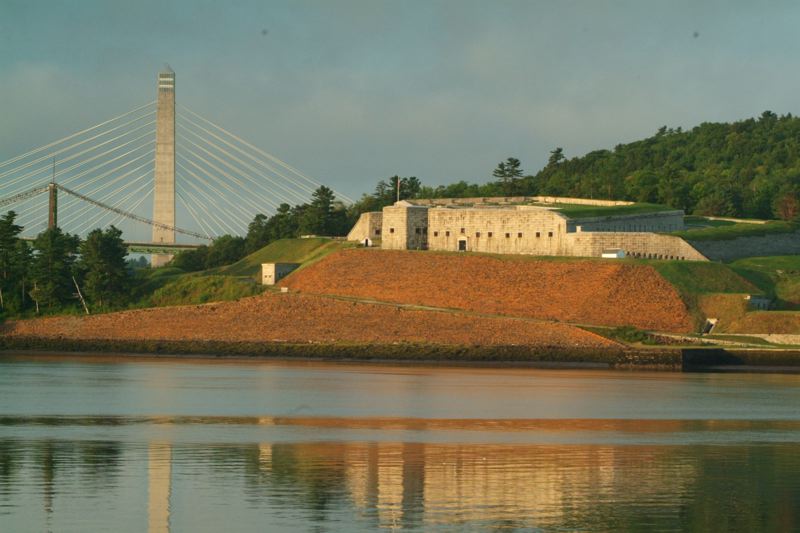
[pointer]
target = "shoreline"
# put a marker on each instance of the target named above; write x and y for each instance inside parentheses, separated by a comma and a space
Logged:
(667, 358)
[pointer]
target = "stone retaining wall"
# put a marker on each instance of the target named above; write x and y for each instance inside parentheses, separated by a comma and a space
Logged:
(755, 246)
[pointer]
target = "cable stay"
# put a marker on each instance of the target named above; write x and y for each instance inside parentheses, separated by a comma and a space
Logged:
(132, 216)
(22, 196)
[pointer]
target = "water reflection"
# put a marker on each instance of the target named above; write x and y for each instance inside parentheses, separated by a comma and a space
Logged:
(363, 486)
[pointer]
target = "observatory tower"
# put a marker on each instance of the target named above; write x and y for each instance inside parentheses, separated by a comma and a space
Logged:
(164, 191)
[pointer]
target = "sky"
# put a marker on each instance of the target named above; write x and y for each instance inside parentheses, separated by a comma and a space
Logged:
(351, 92)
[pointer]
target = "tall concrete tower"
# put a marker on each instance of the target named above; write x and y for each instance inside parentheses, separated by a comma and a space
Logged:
(164, 192)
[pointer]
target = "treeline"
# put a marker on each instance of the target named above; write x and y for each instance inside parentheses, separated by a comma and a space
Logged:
(45, 275)
(749, 168)
(323, 215)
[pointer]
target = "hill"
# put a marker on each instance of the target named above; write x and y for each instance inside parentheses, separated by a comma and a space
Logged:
(581, 291)
(284, 251)
(745, 169)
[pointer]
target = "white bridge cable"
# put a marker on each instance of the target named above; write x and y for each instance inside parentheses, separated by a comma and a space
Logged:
(250, 156)
(107, 184)
(302, 197)
(119, 167)
(215, 201)
(222, 226)
(234, 179)
(121, 218)
(117, 205)
(47, 158)
(265, 154)
(212, 213)
(252, 204)
(72, 136)
(192, 213)
(98, 156)
(106, 198)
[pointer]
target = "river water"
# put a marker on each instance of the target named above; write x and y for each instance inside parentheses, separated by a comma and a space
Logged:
(115, 444)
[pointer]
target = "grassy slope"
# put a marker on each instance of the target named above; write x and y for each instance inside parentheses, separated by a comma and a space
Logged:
(725, 230)
(587, 211)
(778, 277)
(284, 250)
(172, 286)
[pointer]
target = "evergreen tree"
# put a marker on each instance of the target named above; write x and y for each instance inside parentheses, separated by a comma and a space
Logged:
(106, 279)
(52, 268)
(14, 258)
(508, 173)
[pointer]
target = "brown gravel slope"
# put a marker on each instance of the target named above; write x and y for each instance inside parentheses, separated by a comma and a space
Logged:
(581, 291)
(297, 318)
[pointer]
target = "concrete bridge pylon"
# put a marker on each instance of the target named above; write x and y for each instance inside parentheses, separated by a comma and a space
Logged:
(164, 190)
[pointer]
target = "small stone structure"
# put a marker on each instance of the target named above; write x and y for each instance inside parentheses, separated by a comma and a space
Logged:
(271, 273)
(368, 226)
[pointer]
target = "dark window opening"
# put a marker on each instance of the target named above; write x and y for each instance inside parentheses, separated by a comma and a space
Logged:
(477, 233)
(519, 235)
(549, 233)
(508, 235)
(538, 234)
(463, 230)
(391, 230)
(489, 234)
(446, 233)
(418, 230)
(435, 233)
(377, 232)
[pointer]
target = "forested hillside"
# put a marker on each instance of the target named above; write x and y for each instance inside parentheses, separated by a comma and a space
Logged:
(749, 168)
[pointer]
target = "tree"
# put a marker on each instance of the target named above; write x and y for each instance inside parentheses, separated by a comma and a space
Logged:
(317, 218)
(257, 234)
(54, 254)
(556, 156)
(507, 173)
(14, 260)
(106, 280)
(787, 204)
(225, 250)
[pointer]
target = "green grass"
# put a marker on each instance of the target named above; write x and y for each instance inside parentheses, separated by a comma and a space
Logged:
(194, 289)
(777, 276)
(722, 231)
(589, 211)
(284, 251)
(696, 277)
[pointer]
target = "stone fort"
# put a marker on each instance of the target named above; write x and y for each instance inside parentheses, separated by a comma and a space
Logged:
(515, 226)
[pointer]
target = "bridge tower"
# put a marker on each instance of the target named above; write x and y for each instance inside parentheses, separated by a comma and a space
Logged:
(164, 192)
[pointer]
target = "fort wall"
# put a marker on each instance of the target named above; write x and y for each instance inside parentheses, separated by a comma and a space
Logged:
(754, 246)
(635, 244)
(404, 227)
(661, 221)
(508, 200)
(368, 226)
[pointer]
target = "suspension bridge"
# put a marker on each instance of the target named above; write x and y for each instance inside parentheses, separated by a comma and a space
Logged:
(160, 168)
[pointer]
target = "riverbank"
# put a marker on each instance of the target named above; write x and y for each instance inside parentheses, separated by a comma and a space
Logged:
(655, 358)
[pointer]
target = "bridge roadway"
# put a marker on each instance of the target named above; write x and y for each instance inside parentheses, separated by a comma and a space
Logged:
(152, 247)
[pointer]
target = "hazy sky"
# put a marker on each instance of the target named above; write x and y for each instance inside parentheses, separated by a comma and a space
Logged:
(354, 91)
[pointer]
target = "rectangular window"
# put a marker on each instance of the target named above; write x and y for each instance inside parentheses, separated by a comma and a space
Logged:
(463, 231)
(417, 231)
(538, 234)
(377, 232)
(446, 233)
(489, 234)
(391, 230)
(519, 235)
(508, 235)
(435, 233)
(477, 233)
(549, 233)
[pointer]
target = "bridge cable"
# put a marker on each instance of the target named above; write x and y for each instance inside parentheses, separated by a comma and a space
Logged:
(224, 226)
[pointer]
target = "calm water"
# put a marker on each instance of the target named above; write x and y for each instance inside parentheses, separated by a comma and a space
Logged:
(122, 445)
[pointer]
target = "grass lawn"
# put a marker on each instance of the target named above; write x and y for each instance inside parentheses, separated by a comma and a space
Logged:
(721, 230)
(777, 276)
(590, 211)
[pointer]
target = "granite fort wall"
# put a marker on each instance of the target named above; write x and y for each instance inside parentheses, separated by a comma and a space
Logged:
(404, 227)
(662, 221)
(635, 244)
(504, 231)
(771, 244)
(368, 225)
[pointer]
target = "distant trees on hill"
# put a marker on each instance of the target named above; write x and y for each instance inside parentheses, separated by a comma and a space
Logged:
(749, 168)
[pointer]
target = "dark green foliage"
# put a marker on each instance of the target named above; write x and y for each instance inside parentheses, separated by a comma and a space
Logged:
(52, 269)
(749, 168)
(191, 260)
(224, 251)
(14, 261)
(106, 280)
(508, 173)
